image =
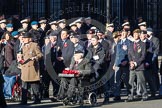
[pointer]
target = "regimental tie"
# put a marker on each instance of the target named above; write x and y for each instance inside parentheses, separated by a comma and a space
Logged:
(75, 65)
(135, 46)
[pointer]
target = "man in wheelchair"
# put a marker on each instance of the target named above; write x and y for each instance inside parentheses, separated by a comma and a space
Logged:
(81, 69)
(10, 77)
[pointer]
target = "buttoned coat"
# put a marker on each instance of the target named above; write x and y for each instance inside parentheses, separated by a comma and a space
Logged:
(30, 70)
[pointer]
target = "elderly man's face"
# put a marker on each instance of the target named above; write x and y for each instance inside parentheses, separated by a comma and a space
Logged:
(78, 56)
(64, 35)
(26, 40)
(74, 40)
(46, 41)
(53, 38)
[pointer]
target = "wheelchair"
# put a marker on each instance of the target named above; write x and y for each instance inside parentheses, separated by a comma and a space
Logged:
(16, 90)
(79, 95)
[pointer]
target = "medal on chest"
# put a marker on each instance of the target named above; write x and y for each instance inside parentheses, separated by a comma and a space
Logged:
(124, 47)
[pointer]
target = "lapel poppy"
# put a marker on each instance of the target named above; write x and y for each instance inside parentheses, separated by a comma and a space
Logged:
(65, 45)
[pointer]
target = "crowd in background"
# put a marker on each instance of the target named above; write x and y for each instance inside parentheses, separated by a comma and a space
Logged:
(129, 51)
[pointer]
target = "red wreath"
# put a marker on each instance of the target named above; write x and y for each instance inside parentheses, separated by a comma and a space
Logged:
(75, 72)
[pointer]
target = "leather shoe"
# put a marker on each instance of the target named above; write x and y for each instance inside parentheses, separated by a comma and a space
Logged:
(37, 102)
(117, 98)
(23, 103)
(106, 101)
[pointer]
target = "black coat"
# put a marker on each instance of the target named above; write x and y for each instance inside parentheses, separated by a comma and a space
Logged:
(16, 48)
(42, 35)
(8, 53)
(149, 54)
(106, 46)
(66, 51)
(156, 45)
(98, 53)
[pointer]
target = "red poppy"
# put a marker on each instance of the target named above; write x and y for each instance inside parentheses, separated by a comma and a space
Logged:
(21, 61)
(65, 44)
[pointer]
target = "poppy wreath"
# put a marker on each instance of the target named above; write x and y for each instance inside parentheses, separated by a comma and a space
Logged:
(75, 72)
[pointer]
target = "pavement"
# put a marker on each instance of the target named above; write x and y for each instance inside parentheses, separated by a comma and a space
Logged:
(156, 103)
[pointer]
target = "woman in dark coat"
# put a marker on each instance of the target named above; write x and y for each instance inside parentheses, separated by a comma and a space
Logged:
(8, 50)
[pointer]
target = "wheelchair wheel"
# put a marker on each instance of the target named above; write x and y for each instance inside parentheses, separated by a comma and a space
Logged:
(17, 93)
(92, 99)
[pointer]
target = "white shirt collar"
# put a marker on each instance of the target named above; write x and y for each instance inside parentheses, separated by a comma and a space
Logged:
(136, 41)
(144, 41)
(123, 40)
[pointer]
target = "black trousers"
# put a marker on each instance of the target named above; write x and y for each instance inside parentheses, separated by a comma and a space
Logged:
(2, 99)
(35, 88)
(156, 74)
(45, 83)
(121, 74)
(67, 87)
(151, 80)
